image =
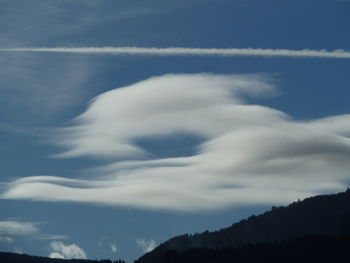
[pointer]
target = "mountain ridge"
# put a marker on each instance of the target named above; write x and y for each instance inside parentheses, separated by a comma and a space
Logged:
(327, 215)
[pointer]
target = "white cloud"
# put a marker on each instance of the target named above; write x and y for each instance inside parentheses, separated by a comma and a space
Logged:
(6, 239)
(107, 243)
(146, 245)
(251, 154)
(162, 106)
(56, 255)
(18, 228)
(27, 229)
(18, 250)
(113, 247)
(61, 250)
(179, 51)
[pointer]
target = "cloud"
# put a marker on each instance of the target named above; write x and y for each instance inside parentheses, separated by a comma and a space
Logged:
(6, 239)
(56, 255)
(146, 245)
(107, 244)
(61, 250)
(180, 51)
(160, 106)
(61, 23)
(51, 237)
(33, 90)
(113, 247)
(18, 250)
(18, 228)
(250, 154)
(27, 229)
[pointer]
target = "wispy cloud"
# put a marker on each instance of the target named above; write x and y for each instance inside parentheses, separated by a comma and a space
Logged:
(63, 251)
(146, 245)
(18, 228)
(63, 19)
(107, 244)
(180, 51)
(35, 92)
(6, 239)
(51, 237)
(250, 154)
(25, 229)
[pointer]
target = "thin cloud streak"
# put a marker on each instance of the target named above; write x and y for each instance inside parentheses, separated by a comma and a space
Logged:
(25, 229)
(18, 228)
(181, 51)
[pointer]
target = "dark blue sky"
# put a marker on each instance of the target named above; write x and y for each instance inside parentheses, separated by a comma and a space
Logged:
(43, 92)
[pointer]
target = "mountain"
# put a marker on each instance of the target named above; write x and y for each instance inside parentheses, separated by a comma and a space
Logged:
(320, 249)
(6, 257)
(324, 215)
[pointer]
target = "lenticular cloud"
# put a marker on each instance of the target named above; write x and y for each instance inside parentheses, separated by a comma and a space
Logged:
(250, 154)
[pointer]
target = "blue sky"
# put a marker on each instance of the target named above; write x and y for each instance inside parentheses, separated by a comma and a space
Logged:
(189, 143)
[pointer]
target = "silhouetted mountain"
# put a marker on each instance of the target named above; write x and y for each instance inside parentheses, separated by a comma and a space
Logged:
(22, 258)
(325, 215)
(308, 249)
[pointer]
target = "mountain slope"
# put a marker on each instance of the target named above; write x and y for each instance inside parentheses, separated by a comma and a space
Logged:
(327, 215)
(307, 249)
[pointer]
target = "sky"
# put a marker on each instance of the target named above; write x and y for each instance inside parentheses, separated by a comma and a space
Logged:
(125, 123)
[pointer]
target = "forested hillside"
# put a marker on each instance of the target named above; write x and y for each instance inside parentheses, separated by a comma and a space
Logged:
(325, 215)
(308, 249)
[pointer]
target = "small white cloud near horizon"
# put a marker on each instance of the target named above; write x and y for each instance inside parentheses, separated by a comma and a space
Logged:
(113, 247)
(146, 245)
(63, 251)
(18, 250)
(107, 244)
(249, 154)
(56, 255)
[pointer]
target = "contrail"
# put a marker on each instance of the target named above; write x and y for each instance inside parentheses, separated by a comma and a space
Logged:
(180, 51)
